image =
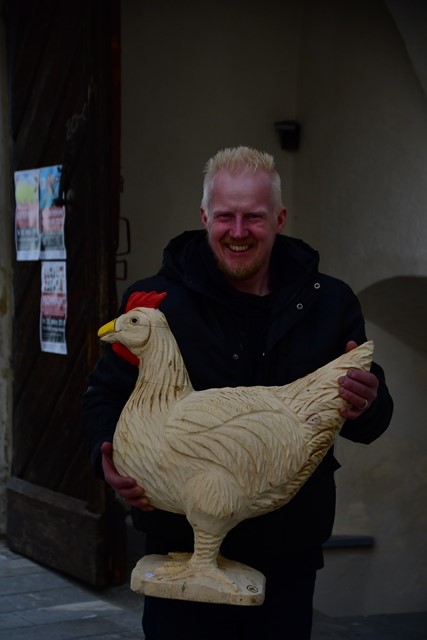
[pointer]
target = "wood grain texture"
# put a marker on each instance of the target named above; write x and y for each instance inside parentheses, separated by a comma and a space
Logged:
(62, 81)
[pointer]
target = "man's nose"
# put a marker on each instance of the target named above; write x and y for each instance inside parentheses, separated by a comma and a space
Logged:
(238, 228)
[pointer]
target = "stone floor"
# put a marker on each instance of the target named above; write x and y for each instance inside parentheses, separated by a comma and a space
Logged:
(41, 604)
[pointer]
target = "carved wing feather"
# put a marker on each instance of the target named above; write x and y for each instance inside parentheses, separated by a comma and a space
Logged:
(250, 434)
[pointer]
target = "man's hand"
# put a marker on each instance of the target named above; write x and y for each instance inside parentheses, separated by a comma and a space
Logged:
(125, 487)
(358, 387)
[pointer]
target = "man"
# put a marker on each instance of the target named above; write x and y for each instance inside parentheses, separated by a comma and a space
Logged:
(247, 307)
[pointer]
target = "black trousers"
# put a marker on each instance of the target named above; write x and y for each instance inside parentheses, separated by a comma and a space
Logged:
(286, 613)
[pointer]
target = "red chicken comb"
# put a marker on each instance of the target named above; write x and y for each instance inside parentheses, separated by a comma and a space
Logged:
(151, 300)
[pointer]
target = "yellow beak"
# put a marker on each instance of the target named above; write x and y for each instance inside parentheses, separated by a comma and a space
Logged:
(110, 327)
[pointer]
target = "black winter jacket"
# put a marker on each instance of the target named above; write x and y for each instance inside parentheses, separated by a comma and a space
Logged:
(229, 338)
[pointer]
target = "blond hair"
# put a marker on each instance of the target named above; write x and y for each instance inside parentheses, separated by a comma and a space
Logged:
(236, 159)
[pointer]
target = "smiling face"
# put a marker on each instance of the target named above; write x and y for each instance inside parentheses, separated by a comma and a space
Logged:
(242, 222)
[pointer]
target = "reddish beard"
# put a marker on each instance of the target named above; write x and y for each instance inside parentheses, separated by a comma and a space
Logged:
(239, 271)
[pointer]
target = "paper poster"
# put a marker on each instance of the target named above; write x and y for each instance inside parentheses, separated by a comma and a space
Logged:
(53, 307)
(52, 217)
(27, 225)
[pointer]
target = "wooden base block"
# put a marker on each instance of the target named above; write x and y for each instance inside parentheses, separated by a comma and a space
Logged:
(234, 583)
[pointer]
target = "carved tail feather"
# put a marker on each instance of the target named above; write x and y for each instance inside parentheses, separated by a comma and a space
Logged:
(316, 400)
(317, 392)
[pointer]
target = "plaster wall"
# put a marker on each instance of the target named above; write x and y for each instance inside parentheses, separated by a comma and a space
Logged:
(360, 192)
(5, 294)
(197, 77)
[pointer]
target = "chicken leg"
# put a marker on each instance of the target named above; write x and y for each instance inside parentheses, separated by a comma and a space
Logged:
(203, 575)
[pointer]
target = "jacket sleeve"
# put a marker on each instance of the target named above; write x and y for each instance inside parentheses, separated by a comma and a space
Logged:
(109, 387)
(373, 422)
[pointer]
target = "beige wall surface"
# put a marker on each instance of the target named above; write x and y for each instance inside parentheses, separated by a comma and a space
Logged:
(363, 111)
(201, 76)
(197, 77)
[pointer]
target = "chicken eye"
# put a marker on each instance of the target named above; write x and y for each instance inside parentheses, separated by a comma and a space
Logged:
(134, 320)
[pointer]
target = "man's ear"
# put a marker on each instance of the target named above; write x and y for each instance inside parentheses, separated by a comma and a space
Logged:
(204, 217)
(281, 219)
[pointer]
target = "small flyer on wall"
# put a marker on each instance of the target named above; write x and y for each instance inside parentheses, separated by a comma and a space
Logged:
(27, 225)
(52, 217)
(53, 307)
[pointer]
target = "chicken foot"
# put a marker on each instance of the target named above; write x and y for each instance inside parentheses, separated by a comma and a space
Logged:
(204, 562)
(204, 575)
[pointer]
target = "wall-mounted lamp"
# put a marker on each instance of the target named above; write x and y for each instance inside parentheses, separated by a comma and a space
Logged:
(289, 132)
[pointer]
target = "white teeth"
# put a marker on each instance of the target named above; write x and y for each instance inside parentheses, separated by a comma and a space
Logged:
(238, 247)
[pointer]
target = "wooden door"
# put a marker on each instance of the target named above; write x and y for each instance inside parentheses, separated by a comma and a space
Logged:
(63, 62)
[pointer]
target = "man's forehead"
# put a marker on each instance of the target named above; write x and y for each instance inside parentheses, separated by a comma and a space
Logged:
(240, 177)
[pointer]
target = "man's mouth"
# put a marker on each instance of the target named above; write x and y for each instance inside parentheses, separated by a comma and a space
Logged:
(238, 248)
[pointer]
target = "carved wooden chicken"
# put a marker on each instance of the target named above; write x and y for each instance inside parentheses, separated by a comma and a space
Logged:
(218, 456)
